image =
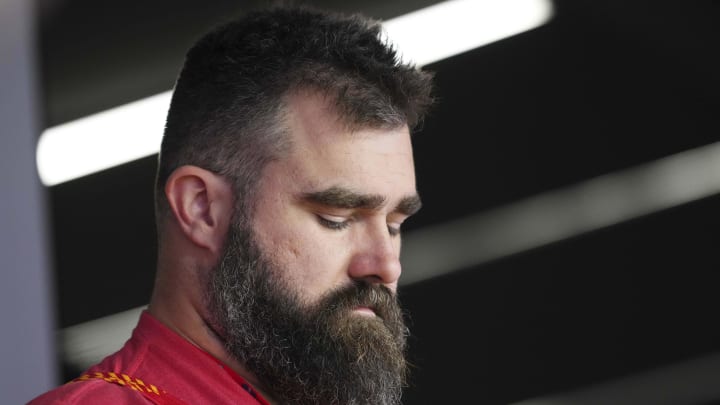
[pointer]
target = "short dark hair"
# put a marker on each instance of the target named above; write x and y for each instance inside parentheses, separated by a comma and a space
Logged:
(227, 108)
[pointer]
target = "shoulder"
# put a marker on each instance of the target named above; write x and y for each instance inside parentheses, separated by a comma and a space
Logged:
(90, 392)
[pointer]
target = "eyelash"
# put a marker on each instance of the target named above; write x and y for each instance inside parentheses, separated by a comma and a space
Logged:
(340, 225)
(393, 231)
(334, 225)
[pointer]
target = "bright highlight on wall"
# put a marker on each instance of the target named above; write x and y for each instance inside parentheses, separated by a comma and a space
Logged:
(134, 130)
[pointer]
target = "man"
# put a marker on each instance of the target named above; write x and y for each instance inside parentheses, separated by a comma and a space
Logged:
(285, 173)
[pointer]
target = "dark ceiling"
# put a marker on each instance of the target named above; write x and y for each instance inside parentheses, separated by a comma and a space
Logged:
(605, 86)
(98, 54)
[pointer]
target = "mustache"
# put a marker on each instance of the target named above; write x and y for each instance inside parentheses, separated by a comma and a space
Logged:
(360, 293)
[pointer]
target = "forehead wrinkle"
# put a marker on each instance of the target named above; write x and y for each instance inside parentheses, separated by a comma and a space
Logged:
(342, 197)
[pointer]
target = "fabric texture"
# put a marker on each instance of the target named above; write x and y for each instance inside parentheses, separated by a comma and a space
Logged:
(156, 365)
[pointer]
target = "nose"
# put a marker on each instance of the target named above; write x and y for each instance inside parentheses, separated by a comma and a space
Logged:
(377, 257)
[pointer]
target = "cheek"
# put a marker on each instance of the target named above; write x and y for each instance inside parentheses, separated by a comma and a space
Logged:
(311, 259)
(312, 262)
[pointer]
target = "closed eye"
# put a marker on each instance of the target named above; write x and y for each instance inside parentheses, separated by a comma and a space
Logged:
(333, 222)
(394, 230)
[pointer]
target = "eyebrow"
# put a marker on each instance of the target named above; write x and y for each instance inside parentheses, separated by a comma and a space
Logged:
(341, 197)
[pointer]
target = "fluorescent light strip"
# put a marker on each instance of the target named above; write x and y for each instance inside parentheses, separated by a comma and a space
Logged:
(560, 214)
(453, 27)
(103, 140)
(134, 130)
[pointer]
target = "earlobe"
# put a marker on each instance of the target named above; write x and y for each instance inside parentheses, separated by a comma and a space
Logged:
(201, 203)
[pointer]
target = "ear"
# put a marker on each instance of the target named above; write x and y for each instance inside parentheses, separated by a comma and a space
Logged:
(202, 205)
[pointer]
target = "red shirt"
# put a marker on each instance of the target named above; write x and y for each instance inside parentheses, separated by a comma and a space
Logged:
(155, 366)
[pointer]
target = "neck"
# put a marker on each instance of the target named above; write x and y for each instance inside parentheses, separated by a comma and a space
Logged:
(185, 314)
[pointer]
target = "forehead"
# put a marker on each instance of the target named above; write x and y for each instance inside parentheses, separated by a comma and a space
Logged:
(312, 119)
(325, 153)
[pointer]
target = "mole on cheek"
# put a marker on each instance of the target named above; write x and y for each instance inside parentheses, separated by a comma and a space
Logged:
(294, 251)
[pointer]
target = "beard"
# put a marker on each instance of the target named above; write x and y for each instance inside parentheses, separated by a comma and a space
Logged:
(306, 353)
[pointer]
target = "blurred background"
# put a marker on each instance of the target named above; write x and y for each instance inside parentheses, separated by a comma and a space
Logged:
(570, 173)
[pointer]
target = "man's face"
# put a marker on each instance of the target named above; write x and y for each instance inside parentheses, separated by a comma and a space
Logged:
(330, 212)
(305, 298)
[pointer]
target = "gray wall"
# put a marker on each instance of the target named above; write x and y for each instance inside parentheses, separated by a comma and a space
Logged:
(26, 347)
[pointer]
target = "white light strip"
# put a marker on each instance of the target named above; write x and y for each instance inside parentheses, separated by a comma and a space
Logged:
(134, 130)
(560, 214)
(103, 140)
(453, 27)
